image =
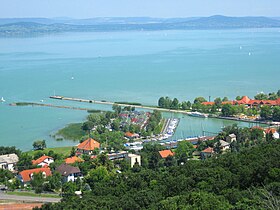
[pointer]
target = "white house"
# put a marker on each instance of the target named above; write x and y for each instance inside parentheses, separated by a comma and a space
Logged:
(69, 173)
(133, 159)
(8, 161)
(223, 145)
(43, 161)
(231, 138)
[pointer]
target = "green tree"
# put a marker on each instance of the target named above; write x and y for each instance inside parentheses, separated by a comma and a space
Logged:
(37, 182)
(225, 99)
(199, 100)
(184, 150)
(218, 102)
(39, 145)
(161, 102)
(53, 182)
(94, 118)
(276, 114)
(228, 110)
(186, 105)
(272, 96)
(116, 125)
(278, 93)
(175, 104)
(87, 126)
(257, 134)
(97, 175)
(238, 98)
(117, 108)
(25, 162)
(261, 96)
(266, 112)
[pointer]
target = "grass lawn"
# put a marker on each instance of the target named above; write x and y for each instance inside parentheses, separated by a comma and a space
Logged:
(33, 194)
(72, 131)
(61, 150)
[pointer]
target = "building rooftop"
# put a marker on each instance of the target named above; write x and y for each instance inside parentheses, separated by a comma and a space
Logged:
(73, 159)
(166, 153)
(26, 174)
(208, 150)
(89, 144)
(40, 160)
(9, 158)
(65, 169)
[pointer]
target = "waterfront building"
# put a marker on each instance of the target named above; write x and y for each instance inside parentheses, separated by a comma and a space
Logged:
(43, 161)
(87, 147)
(8, 161)
(27, 175)
(245, 100)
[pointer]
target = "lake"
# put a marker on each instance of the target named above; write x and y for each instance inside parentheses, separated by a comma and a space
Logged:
(135, 66)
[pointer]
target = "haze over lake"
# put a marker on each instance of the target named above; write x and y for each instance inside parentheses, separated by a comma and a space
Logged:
(135, 66)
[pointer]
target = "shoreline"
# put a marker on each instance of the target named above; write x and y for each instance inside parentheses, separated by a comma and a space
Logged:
(154, 108)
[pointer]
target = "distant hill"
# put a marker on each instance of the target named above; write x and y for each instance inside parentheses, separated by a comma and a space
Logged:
(25, 26)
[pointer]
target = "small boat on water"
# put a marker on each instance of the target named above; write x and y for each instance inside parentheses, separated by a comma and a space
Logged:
(2, 99)
(198, 114)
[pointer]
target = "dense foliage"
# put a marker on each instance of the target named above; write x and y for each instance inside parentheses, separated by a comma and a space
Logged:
(9, 150)
(248, 179)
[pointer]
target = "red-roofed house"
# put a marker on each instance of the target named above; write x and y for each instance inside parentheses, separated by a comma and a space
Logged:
(73, 159)
(207, 152)
(87, 147)
(43, 161)
(131, 135)
(270, 130)
(166, 153)
(26, 175)
(245, 100)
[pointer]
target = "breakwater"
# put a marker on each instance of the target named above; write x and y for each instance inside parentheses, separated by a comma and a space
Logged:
(48, 105)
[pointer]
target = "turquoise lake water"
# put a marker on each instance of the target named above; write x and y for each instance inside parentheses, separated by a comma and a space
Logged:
(129, 66)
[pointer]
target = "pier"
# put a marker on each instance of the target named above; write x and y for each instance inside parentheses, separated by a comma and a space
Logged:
(119, 104)
(49, 105)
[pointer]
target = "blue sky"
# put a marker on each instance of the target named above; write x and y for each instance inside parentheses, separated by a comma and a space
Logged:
(136, 8)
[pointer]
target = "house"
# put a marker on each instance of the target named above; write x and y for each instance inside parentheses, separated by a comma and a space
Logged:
(207, 152)
(69, 173)
(43, 161)
(166, 153)
(133, 159)
(273, 131)
(8, 161)
(118, 155)
(131, 135)
(245, 100)
(73, 159)
(87, 147)
(231, 138)
(223, 145)
(27, 175)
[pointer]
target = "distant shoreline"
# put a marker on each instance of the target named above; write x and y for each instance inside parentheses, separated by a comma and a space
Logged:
(39, 26)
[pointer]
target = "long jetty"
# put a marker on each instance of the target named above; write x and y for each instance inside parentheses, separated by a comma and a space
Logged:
(150, 108)
(49, 105)
(120, 104)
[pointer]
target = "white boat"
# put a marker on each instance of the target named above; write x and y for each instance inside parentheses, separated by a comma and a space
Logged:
(198, 114)
(2, 99)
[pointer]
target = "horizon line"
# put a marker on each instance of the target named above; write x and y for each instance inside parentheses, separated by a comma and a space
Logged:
(73, 18)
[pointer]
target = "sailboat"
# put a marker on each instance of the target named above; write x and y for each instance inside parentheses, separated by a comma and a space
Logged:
(2, 99)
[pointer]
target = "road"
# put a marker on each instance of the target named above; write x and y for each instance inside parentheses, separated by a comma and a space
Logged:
(4, 196)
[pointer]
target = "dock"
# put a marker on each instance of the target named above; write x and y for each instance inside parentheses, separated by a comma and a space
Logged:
(119, 104)
(49, 105)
